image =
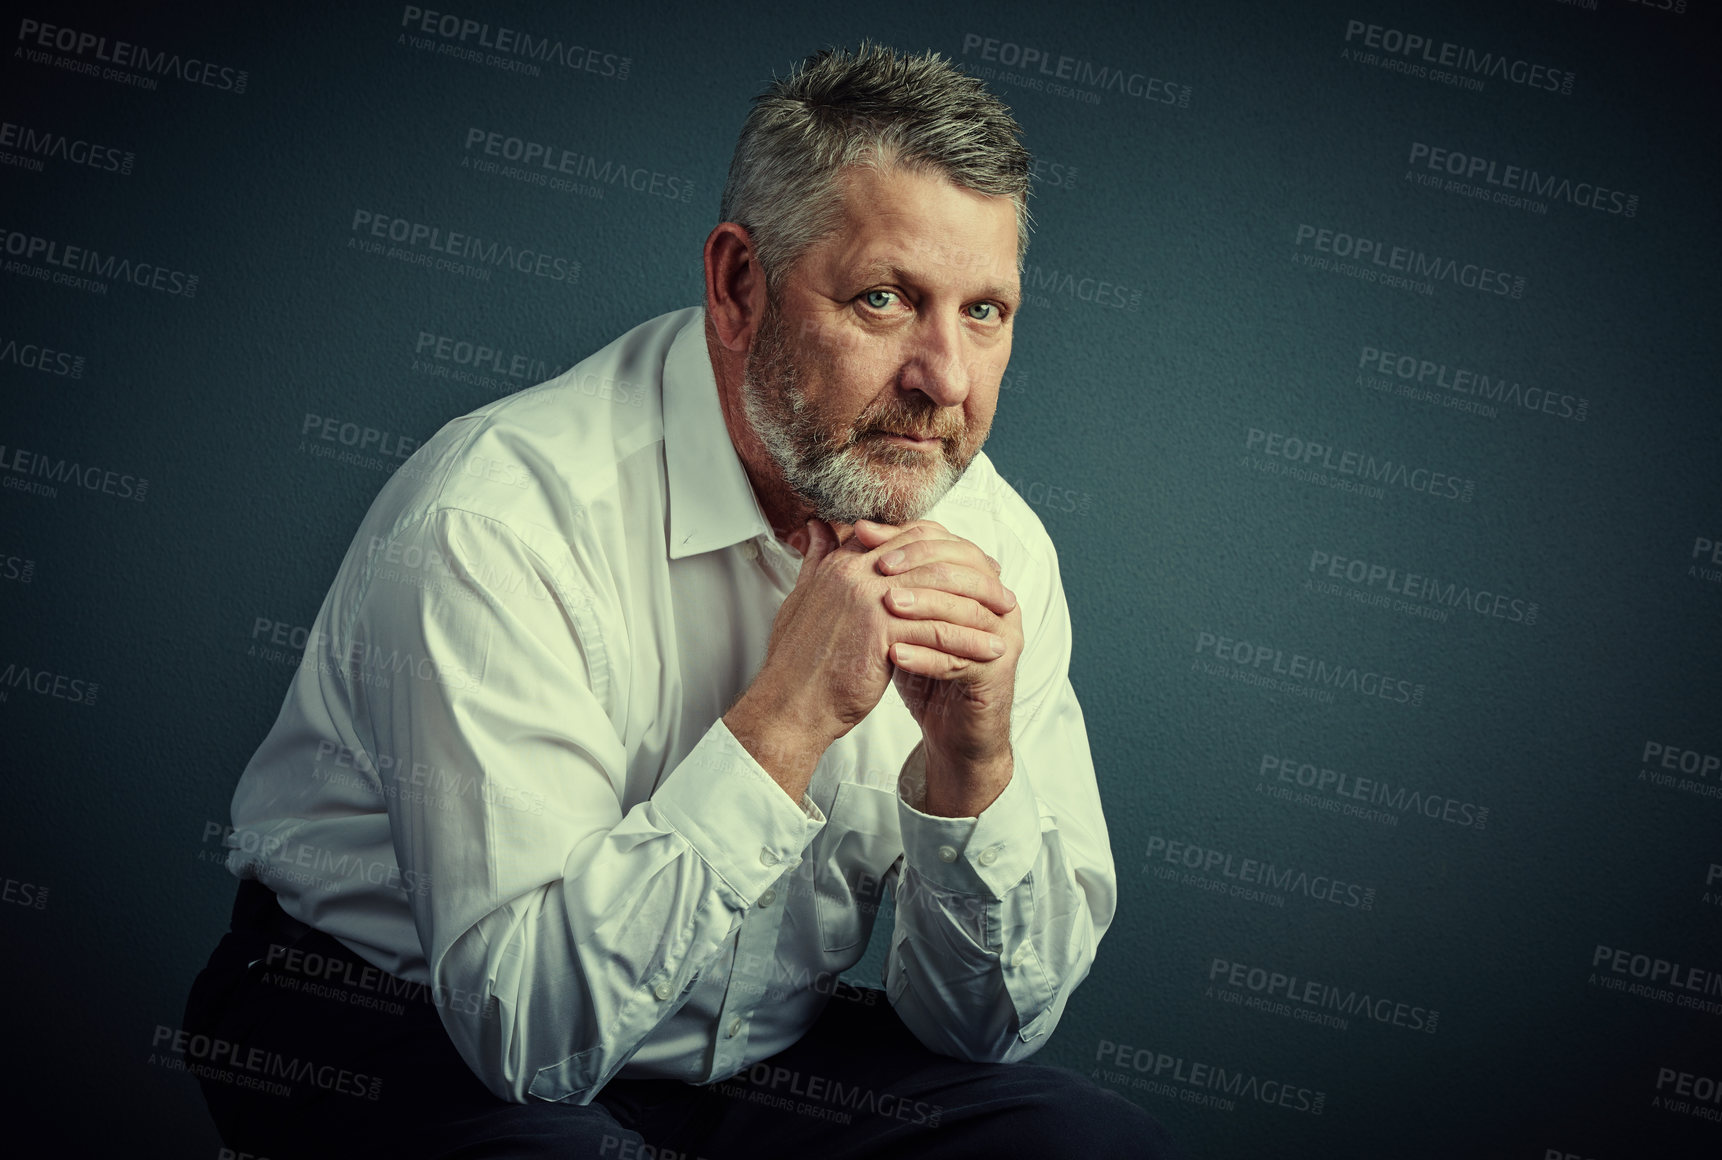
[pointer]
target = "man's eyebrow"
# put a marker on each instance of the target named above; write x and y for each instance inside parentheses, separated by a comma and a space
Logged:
(885, 270)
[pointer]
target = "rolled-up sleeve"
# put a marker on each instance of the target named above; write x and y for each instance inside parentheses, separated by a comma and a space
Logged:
(999, 916)
(559, 929)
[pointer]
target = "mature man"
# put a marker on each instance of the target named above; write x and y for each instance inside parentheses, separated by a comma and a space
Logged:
(637, 691)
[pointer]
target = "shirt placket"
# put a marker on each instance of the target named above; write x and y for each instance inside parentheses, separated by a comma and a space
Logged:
(754, 973)
(753, 977)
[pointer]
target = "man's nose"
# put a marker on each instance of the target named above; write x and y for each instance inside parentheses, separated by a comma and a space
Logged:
(935, 365)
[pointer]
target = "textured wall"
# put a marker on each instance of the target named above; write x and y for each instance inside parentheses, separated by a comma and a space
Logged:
(1366, 384)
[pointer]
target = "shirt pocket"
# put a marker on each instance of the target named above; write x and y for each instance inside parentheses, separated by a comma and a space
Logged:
(567, 1081)
(849, 879)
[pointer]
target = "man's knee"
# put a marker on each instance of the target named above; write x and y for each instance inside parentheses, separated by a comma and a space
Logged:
(522, 1131)
(1068, 1117)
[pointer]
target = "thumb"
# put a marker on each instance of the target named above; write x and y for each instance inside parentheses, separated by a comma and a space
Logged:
(820, 541)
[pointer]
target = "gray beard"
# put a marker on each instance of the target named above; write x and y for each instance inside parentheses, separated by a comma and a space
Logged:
(838, 483)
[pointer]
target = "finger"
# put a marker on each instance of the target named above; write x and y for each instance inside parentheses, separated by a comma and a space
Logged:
(957, 640)
(917, 550)
(895, 537)
(931, 663)
(961, 580)
(935, 604)
(946, 566)
(871, 534)
(933, 526)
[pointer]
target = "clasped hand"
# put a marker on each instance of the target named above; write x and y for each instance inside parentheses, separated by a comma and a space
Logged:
(916, 605)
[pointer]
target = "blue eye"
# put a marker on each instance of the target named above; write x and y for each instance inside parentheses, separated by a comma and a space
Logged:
(874, 297)
(989, 310)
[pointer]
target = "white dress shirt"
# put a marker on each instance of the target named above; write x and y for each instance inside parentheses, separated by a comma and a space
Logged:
(501, 768)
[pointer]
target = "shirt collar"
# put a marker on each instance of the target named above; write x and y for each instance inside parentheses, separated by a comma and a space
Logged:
(712, 504)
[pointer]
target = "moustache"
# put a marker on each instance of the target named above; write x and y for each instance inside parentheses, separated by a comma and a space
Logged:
(944, 431)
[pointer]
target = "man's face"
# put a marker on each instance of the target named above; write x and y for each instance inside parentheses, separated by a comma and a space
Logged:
(873, 378)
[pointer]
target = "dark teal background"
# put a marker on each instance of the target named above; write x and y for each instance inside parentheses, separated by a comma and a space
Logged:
(1125, 427)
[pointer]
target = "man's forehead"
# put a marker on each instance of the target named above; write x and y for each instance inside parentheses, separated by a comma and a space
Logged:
(972, 272)
(920, 227)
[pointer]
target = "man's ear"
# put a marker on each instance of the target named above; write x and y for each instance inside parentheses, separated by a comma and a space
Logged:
(735, 286)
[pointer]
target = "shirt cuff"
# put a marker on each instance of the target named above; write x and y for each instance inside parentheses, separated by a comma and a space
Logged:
(737, 819)
(987, 855)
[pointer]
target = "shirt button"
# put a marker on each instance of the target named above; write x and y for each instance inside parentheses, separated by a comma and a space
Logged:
(663, 990)
(735, 1027)
(766, 899)
(947, 853)
(750, 550)
(989, 856)
(767, 858)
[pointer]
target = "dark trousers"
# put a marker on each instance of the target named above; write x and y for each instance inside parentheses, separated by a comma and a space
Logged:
(303, 1049)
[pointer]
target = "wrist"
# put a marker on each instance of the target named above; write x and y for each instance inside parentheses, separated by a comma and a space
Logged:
(787, 744)
(963, 786)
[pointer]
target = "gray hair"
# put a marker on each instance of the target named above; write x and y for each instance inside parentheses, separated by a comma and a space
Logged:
(874, 108)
